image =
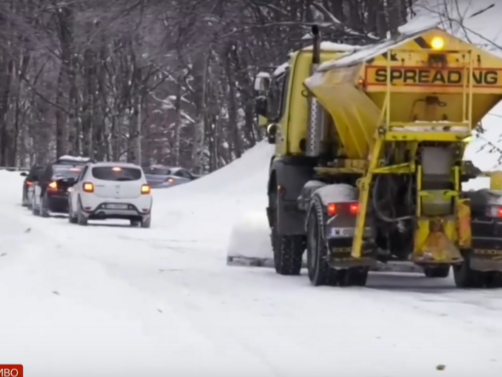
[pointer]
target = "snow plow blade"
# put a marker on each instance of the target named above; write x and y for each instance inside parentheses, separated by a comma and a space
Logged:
(250, 262)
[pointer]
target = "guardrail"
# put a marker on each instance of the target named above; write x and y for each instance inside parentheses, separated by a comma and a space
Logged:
(14, 168)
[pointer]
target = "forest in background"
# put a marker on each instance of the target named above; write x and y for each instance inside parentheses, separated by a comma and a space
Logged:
(155, 81)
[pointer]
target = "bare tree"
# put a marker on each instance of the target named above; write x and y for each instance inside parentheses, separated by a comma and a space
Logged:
(154, 81)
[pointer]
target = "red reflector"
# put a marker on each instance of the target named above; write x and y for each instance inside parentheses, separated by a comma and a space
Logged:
(494, 212)
(354, 208)
(331, 209)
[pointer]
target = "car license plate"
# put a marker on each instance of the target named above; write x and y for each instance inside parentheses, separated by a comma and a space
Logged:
(116, 206)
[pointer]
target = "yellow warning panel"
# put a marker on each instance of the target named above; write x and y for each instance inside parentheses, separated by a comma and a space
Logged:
(420, 76)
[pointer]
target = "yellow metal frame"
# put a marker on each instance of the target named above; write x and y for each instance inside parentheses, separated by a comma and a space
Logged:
(445, 241)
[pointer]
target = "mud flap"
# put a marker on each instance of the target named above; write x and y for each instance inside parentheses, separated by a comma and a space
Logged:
(433, 242)
(241, 261)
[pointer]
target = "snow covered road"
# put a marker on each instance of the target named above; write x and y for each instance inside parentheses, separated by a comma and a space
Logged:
(108, 300)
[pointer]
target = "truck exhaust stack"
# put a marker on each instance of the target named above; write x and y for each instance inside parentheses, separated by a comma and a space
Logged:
(318, 119)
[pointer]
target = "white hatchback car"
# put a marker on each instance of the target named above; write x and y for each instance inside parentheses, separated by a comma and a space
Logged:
(107, 190)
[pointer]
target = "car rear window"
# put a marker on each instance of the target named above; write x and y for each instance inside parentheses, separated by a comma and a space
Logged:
(66, 171)
(109, 173)
(71, 163)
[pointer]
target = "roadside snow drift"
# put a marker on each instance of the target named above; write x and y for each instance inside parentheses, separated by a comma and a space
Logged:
(250, 237)
(231, 202)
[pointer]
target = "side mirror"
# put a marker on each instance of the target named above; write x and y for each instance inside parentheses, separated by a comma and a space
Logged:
(271, 133)
(23, 174)
(262, 82)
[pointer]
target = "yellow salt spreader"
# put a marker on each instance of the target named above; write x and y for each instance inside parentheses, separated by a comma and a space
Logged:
(369, 163)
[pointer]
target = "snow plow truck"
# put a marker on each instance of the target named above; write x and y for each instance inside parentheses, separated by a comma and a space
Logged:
(368, 165)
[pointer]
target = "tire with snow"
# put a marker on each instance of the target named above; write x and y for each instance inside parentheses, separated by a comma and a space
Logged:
(287, 249)
(44, 211)
(288, 252)
(437, 272)
(493, 279)
(35, 211)
(319, 271)
(81, 218)
(72, 219)
(465, 277)
(146, 223)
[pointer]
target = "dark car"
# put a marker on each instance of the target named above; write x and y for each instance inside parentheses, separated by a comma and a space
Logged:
(30, 179)
(51, 190)
(159, 176)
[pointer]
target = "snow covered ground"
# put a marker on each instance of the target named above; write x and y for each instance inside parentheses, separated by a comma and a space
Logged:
(109, 300)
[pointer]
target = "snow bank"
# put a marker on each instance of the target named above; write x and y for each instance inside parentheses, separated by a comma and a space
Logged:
(222, 200)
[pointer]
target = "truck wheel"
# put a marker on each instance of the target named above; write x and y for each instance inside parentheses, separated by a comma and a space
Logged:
(437, 272)
(493, 279)
(288, 251)
(465, 277)
(319, 270)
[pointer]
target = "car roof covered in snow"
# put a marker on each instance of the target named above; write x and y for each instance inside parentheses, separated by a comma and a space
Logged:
(116, 164)
(74, 159)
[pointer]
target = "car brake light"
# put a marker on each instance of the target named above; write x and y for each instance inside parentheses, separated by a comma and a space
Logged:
(53, 186)
(494, 211)
(29, 184)
(145, 189)
(117, 169)
(88, 187)
(344, 208)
